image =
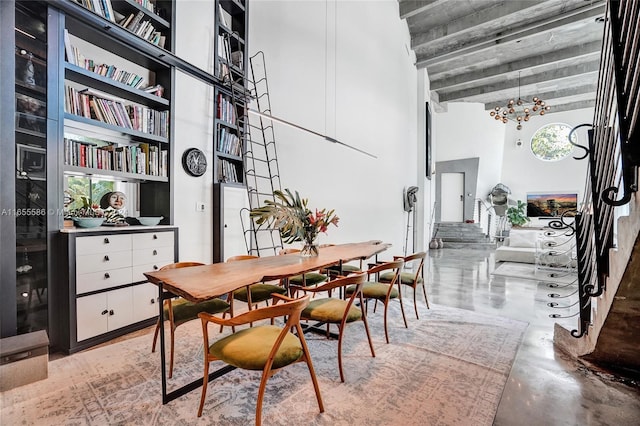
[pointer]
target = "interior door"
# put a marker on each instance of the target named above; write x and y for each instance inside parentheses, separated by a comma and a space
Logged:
(236, 204)
(452, 197)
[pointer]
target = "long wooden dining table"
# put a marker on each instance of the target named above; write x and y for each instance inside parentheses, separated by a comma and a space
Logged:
(201, 283)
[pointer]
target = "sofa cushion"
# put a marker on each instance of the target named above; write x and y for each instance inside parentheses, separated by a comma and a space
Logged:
(515, 254)
(523, 239)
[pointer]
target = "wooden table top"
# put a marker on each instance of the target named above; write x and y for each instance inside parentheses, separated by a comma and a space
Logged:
(200, 283)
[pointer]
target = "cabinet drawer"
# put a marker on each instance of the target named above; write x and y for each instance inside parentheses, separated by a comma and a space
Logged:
(102, 261)
(159, 256)
(152, 240)
(139, 270)
(102, 280)
(102, 312)
(102, 244)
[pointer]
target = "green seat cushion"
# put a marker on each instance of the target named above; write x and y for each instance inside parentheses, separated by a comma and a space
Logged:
(405, 278)
(374, 291)
(345, 268)
(311, 278)
(184, 311)
(249, 348)
(259, 292)
(330, 310)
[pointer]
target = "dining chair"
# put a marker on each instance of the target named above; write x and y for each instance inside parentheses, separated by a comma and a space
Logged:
(180, 311)
(412, 275)
(265, 347)
(257, 293)
(307, 279)
(331, 310)
(383, 291)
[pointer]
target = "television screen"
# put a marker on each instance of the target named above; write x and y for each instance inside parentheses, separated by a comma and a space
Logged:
(550, 205)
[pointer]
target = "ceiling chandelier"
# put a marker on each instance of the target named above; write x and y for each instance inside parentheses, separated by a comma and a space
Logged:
(520, 110)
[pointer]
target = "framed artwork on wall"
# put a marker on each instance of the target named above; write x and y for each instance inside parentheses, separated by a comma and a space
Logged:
(551, 204)
(428, 149)
(31, 160)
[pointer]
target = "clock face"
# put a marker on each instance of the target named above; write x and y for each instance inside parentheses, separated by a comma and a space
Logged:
(194, 162)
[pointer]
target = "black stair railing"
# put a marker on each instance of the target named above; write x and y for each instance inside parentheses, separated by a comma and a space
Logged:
(613, 152)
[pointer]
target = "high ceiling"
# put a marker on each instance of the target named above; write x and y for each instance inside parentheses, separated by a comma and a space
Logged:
(478, 50)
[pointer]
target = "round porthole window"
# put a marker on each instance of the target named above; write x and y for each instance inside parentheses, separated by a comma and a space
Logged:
(551, 142)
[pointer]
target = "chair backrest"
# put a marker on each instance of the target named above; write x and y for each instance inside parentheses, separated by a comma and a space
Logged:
(395, 264)
(180, 265)
(414, 257)
(356, 278)
(242, 257)
(291, 309)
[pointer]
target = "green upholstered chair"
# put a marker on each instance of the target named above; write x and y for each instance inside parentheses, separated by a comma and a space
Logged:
(264, 347)
(383, 291)
(257, 293)
(304, 280)
(180, 311)
(337, 311)
(412, 275)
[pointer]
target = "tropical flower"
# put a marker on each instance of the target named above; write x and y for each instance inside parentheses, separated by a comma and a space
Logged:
(88, 209)
(290, 214)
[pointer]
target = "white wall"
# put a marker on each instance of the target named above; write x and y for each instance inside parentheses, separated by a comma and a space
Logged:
(466, 130)
(333, 70)
(522, 172)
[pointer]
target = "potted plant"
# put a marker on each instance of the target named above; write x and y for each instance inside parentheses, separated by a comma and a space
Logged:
(517, 215)
(296, 222)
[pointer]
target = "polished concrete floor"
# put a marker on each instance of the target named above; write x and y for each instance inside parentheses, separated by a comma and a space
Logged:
(545, 386)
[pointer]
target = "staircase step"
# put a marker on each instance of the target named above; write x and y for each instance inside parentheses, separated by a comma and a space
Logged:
(467, 245)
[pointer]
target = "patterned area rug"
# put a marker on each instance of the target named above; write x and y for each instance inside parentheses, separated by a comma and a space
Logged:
(448, 368)
(528, 271)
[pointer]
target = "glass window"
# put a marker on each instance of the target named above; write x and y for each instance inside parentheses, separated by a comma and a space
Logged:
(551, 142)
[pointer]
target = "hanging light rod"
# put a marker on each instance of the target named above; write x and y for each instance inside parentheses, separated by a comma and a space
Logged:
(304, 129)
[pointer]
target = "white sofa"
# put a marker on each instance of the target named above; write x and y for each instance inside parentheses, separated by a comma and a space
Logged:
(519, 246)
(542, 247)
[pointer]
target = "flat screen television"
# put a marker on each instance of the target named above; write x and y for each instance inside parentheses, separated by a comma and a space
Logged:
(550, 204)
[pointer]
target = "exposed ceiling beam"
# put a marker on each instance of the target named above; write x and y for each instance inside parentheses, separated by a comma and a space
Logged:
(554, 57)
(413, 8)
(570, 106)
(586, 13)
(553, 94)
(544, 77)
(474, 21)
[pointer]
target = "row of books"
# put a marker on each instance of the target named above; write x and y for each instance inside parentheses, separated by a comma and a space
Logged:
(225, 110)
(147, 4)
(227, 171)
(229, 143)
(101, 7)
(111, 111)
(142, 159)
(110, 71)
(143, 28)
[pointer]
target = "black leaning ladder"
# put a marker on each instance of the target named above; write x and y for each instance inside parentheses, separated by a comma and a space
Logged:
(261, 170)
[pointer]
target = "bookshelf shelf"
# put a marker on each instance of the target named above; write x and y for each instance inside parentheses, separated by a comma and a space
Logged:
(72, 120)
(112, 174)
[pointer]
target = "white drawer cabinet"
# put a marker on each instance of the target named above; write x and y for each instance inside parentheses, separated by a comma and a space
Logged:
(107, 292)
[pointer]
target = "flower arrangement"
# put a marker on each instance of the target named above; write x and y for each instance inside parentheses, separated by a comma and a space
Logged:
(290, 214)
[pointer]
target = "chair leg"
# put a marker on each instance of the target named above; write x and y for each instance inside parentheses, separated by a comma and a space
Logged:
(263, 384)
(366, 329)
(424, 290)
(155, 336)
(340, 335)
(386, 331)
(205, 381)
(173, 331)
(312, 372)
(415, 305)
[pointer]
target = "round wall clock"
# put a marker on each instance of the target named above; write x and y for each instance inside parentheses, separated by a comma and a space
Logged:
(194, 162)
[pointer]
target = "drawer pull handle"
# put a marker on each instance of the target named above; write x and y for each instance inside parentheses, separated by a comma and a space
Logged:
(106, 275)
(106, 241)
(106, 258)
(155, 237)
(105, 312)
(153, 301)
(111, 312)
(155, 252)
(155, 267)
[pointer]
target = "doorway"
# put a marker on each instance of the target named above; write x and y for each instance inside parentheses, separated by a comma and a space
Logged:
(452, 190)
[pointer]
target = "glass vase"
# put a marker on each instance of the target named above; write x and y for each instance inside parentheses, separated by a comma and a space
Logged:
(310, 249)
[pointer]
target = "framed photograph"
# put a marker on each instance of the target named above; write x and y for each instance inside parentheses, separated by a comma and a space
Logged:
(550, 204)
(31, 160)
(31, 115)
